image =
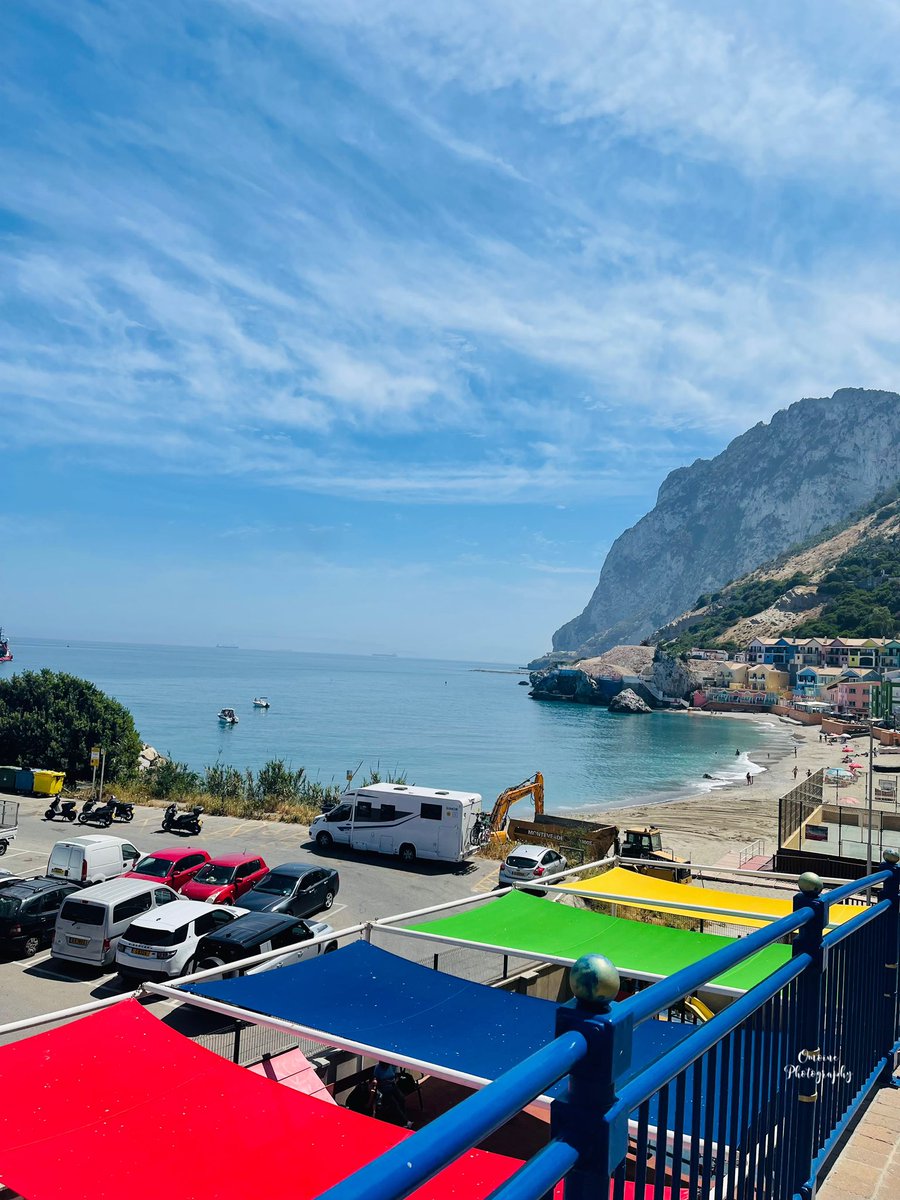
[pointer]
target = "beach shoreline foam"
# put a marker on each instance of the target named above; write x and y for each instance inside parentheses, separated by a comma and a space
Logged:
(715, 820)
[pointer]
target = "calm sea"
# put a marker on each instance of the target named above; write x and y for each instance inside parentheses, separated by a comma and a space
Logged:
(443, 724)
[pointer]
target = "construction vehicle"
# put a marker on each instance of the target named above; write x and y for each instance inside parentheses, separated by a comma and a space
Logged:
(528, 787)
(578, 840)
(645, 843)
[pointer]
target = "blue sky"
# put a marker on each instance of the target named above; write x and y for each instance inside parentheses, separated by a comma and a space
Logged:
(367, 325)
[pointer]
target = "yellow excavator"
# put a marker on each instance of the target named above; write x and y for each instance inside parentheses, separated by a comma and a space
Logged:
(528, 787)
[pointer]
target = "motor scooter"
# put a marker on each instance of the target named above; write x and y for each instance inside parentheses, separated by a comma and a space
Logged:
(183, 822)
(64, 809)
(94, 814)
(122, 810)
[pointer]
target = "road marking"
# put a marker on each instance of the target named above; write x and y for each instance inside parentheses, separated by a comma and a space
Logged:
(238, 828)
(487, 884)
(35, 958)
(328, 912)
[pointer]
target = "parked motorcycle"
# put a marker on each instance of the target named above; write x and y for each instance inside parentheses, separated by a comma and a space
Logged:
(121, 809)
(94, 814)
(64, 809)
(183, 822)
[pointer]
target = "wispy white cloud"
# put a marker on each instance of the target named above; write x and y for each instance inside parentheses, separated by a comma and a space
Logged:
(440, 253)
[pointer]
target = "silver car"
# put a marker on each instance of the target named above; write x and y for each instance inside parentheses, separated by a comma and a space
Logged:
(527, 863)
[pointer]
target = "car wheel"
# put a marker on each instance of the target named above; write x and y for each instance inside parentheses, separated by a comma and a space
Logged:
(329, 900)
(324, 840)
(407, 853)
(31, 947)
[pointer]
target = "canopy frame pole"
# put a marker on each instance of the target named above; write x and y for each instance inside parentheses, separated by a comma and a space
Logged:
(63, 1014)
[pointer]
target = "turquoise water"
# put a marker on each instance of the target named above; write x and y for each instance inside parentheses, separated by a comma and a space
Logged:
(444, 724)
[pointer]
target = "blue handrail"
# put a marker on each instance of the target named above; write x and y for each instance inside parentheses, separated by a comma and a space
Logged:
(646, 1004)
(414, 1161)
(670, 1064)
(596, 1045)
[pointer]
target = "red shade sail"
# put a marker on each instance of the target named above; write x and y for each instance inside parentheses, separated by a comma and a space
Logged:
(118, 1104)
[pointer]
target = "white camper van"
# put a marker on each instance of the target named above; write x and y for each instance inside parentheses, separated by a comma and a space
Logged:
(392, 818)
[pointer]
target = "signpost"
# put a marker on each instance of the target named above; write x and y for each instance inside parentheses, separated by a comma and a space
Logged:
(95, 763)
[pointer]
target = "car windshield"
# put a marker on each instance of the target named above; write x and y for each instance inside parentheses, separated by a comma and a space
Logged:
(9, 907)
(157, 867)
(155, 937)
(516, 860)
(276, 885)
(215, 873)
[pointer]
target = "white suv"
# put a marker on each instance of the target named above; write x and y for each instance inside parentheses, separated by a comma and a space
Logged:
(161, 944)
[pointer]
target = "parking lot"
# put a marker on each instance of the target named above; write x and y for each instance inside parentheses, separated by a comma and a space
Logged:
(371, 886)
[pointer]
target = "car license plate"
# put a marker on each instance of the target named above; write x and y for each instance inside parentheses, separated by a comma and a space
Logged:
(73, 941)
(58, 871)
(141, 953)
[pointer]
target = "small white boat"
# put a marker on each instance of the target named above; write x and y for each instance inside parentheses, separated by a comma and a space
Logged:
(228, 716)
(260, 702)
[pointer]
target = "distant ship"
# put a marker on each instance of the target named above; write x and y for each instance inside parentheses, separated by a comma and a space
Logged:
(5, 652)
(222, 646)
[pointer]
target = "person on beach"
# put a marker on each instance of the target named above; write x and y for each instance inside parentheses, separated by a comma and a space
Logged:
(737, 754)
(795, 752)
(749, 779)
(796, 769)
(808, 772)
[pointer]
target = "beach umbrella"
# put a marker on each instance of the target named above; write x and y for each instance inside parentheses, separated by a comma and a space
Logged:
(855, 766)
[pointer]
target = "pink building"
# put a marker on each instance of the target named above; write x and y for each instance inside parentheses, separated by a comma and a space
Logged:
(851, 696)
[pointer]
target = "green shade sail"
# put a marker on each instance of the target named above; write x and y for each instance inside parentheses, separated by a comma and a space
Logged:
(538, 926)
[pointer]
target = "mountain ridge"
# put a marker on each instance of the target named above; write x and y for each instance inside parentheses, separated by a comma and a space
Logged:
(775, 485)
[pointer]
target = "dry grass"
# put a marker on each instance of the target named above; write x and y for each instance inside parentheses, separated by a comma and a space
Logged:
(214, 806)
(497, 849)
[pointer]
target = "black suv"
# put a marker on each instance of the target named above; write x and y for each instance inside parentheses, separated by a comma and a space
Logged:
(255, 933)
(28, 912)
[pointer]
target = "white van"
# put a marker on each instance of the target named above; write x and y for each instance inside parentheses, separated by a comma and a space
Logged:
(91, 859)
(91, 921)
(392, 818)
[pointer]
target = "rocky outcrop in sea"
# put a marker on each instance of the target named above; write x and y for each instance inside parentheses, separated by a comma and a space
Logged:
(628, 701)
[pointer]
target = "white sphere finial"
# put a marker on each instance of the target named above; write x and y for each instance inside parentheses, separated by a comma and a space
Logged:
(594, 979)
(810, 884)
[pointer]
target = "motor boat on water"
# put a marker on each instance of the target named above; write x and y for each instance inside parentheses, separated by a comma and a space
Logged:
(228, 716)
(260, 702)
(5, 652)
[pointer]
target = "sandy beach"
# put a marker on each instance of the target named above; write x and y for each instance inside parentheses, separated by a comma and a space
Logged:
(706, 827)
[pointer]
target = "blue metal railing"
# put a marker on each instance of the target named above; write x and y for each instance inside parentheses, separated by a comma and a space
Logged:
(749, 1106)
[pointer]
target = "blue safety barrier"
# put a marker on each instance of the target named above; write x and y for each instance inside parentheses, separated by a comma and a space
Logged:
(750, 1106)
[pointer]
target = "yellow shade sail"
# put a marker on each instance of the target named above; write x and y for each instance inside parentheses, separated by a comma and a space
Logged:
(629, 888)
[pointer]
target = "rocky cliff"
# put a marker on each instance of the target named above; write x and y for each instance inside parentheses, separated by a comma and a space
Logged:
(776, 485)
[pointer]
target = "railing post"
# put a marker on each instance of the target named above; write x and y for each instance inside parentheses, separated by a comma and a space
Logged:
(578, 1117)
(809, 1029)
(891, 891)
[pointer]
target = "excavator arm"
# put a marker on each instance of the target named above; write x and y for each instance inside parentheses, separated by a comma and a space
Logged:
(529, 787)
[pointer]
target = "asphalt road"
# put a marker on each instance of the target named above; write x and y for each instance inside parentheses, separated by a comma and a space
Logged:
(372, 886)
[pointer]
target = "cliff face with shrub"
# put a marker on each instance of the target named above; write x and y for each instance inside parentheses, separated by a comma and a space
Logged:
(778, 484)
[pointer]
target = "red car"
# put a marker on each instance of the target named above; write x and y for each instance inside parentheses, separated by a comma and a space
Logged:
(226, 877)
(175, 867)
